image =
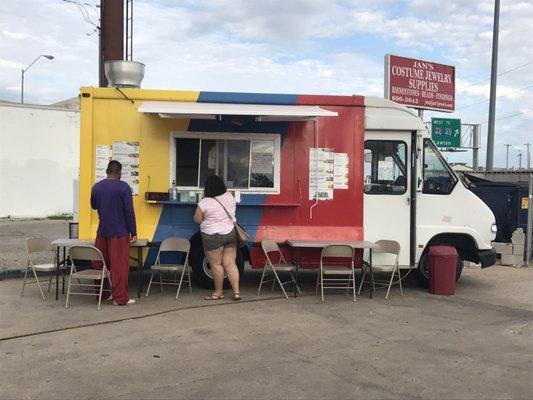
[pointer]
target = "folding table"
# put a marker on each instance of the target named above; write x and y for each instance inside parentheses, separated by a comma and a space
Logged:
(66, 243)
(357, 244)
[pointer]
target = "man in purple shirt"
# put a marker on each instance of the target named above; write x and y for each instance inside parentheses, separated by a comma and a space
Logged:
(116, 230)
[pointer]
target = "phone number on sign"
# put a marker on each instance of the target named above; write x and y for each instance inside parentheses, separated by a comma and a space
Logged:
(404, 100)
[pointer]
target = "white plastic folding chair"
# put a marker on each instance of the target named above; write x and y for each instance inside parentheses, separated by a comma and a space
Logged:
(87, 253)
(39, 247)
(175, 245)
(274, 266)
(384, 259)
(339, 274)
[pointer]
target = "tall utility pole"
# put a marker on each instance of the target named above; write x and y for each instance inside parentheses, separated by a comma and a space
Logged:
(475, 146)
(519, 155)
(111, 34)
(507, 155)
(528, 155)
(493, 78)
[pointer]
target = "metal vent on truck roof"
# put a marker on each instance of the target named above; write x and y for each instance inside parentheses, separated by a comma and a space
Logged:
(122, 73)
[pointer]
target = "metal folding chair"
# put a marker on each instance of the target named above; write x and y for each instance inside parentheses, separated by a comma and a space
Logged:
(33, 247)
(87, 253)
(173, 244)
(332, 276)
(387, 249)
(280, 265)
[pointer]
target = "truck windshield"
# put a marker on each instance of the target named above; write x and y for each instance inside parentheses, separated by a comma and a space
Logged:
(438, 177)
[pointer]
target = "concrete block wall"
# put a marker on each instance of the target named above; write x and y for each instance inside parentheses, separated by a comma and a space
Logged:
(512, 253)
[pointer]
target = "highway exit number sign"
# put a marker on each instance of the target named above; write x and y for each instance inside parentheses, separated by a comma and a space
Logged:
(446, 132)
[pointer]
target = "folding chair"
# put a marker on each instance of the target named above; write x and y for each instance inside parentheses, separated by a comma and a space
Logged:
(269, 246)
(387, 250)
(39, 245)
(87, 253)
(173, 244)
(337, 270)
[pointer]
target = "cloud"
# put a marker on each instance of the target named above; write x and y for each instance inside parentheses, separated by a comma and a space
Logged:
(298, 46)
(10, 64)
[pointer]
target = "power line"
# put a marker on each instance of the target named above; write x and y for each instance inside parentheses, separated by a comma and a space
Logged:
(85, 14)
(484, 101)
(501, 73)
(510, 116)
(488, 79)
(514, 115)
(502, 95)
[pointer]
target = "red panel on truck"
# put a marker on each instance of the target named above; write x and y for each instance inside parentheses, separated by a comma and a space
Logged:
(340, 218)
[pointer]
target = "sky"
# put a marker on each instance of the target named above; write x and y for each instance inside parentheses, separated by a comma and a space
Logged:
(286, 46)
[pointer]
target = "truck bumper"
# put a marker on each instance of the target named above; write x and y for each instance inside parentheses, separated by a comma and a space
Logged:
(487, 257)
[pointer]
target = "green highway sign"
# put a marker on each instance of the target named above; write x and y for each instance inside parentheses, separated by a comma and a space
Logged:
(446, 132)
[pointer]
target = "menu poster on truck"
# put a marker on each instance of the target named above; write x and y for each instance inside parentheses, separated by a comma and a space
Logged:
(340, 164)
(127, 153)
(419, 83)
(103, 156)
(321, 173)
(262, 163)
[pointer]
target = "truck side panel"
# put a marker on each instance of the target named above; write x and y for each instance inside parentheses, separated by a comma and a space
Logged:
(108, 116)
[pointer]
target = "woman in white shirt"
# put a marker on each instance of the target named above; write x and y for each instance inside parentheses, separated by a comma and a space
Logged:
(216, 215)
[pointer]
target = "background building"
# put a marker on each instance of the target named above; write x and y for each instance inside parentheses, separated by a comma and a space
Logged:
(39, 158)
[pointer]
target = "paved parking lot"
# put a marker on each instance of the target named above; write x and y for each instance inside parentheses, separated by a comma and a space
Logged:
(476, 344)
(14, 232)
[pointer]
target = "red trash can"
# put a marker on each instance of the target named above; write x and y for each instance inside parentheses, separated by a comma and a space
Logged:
(442, 269)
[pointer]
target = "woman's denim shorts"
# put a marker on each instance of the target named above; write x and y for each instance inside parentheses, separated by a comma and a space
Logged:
(213, 242)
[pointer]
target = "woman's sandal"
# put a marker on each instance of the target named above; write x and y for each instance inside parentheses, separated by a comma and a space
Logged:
(237, 297)
(214, 296)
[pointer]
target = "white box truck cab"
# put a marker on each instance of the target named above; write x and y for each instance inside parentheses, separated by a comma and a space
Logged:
(411, 194)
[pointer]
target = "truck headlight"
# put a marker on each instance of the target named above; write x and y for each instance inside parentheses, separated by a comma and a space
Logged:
(494, 229)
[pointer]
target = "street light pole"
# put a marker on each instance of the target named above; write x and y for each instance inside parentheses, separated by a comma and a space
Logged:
(24, 71)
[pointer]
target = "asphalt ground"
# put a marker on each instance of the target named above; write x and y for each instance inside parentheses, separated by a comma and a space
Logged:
(13, 234)
(475, 344)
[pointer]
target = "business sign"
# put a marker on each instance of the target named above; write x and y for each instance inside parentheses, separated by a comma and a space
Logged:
(446, 132)
(420, 84)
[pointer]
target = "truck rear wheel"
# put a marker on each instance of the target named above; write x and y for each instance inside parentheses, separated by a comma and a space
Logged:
(422, 272)
(201, 269)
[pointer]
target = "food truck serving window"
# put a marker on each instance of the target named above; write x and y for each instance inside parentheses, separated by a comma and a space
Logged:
(385, 167)
(246, 162)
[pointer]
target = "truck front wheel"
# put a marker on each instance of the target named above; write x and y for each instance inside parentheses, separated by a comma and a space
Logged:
(422, 272)
(201, 269)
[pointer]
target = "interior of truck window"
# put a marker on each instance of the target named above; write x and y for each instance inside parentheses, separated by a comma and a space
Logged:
(247, 163)
(438, 177)
(385, 167)
(187, 162)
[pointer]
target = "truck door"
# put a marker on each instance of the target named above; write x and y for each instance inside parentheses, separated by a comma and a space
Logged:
(386, 188)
